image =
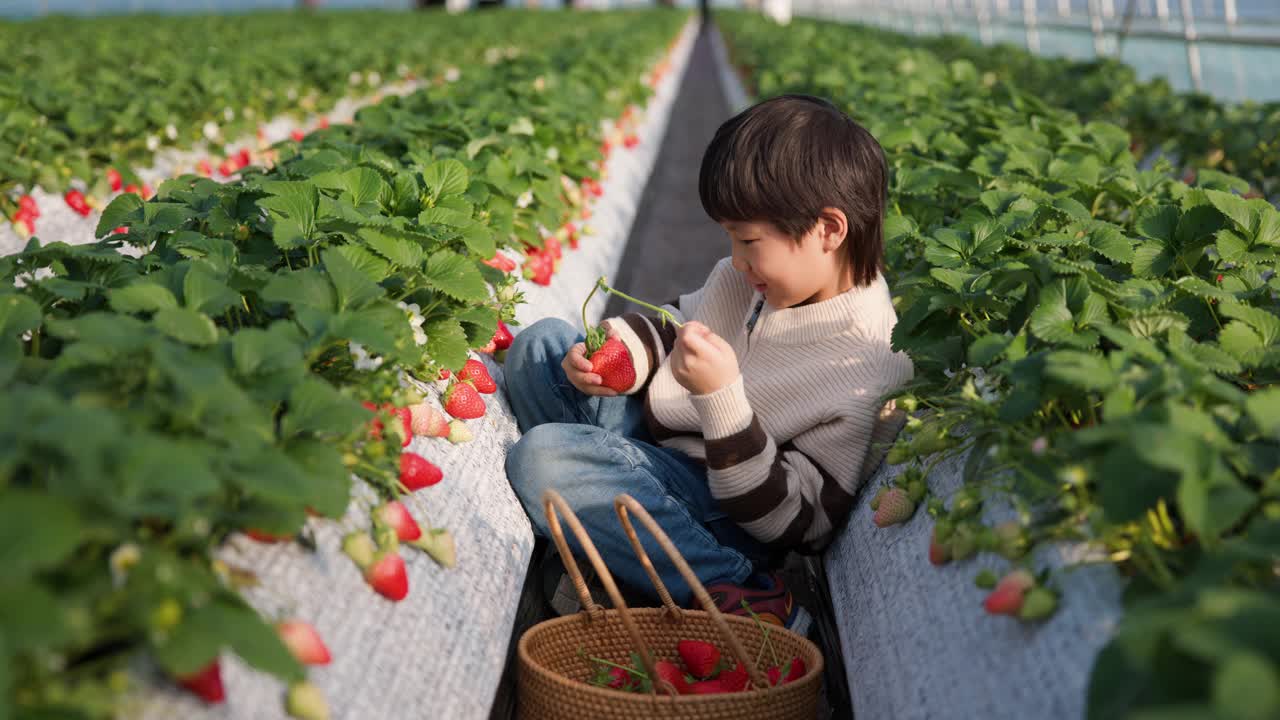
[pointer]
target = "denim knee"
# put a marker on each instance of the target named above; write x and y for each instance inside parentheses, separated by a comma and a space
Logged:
(532, 467)
(531, 344)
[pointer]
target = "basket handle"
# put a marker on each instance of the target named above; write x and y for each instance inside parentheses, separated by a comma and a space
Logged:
(555, 506)
(624, 503)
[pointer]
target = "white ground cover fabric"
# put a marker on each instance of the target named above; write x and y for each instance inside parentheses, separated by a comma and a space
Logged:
(440, 652)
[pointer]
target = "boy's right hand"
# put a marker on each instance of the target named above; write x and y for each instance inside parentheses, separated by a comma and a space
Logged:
(578, 369)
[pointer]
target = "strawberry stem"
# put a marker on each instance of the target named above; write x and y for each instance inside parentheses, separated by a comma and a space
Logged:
(765, 631)
(664, 314)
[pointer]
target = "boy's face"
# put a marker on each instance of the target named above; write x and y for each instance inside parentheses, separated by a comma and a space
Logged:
(786, 272)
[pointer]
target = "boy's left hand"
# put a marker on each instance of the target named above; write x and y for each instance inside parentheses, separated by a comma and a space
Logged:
(701, 361)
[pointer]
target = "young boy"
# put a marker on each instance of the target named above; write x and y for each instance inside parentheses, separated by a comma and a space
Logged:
(750, 429)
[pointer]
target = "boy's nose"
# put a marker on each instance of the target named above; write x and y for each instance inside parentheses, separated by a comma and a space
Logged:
(739, 263)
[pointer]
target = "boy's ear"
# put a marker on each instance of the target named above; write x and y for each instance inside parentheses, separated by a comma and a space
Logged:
(833, 228)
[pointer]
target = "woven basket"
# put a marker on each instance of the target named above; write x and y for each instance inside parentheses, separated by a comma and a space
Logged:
(554, 670)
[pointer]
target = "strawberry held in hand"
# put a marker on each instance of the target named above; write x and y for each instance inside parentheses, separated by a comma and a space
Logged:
(609, 356)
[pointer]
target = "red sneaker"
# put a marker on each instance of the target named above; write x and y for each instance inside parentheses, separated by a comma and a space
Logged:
(773, 604)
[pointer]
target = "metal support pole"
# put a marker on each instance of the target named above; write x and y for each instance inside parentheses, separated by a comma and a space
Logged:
(1162, 11)
(1029, 11)
(1193, 50)
(984, 22)
(1229, 14)
(1095, 25)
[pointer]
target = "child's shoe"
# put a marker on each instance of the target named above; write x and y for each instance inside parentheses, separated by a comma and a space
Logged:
(771, 602)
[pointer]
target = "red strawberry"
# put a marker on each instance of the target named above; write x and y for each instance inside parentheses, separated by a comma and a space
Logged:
(775, 676)
(895, 507)
(501, 262)
(701, 658)
(606, 147)
(123, 229)
(396, 516)
(406, 422)
(297, 135)
(573, 235)
(706, 687)
(114, 179)
(619, 678)
(552, 245)
(669, 671)
(539, 267)
(444, 374)
(24, 222)
(243, 158)
(502, 337)
(797, 670)
(324, 122)
(735, 680)
(375, 425)
(204, 168)
(462, 401)
(28, 203)
(227, 168)
(207, 683)
(304, 642)
(475, 372)
(75, 200)
(1006, 599)
(489, 348)
(612, 362)
(417, 472)
(131, 188)
(631, 141)
(428, 421)
(387, 576)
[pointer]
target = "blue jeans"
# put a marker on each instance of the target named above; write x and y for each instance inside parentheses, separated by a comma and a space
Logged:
(590, 449)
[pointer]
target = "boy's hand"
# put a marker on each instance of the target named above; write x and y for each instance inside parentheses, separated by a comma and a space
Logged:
(578, 369)
(701, 361)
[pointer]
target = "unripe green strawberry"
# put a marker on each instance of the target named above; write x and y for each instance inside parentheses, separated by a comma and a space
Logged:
(963, 543)
(459, 432)
(908, 403)
(1038, 603)
(898, 454)
(939, 553)
(1011, 540)
(895, 507)
(986, 580)
(306, 702)
(360, 548)
(438, 543)
(916, 490)
(967, 503)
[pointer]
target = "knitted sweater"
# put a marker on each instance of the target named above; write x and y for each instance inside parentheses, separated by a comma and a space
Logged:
(789, 442)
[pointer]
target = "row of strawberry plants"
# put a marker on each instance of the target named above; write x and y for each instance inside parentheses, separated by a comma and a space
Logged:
(1200, 132)
(1239, 138)
(213, 384)
(80, 102)
(1102, 341)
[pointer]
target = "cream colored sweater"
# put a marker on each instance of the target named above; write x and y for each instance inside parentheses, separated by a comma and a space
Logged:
(788, 443)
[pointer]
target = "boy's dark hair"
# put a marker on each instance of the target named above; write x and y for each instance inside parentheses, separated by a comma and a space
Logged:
(785, 159)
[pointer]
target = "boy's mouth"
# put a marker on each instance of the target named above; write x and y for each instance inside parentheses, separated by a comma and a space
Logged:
(761, 287)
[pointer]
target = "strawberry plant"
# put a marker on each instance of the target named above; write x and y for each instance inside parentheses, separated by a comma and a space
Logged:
(1099, 338)
(210, 380)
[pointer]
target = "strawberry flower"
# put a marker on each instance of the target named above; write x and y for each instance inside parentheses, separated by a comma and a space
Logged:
(362, 359)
